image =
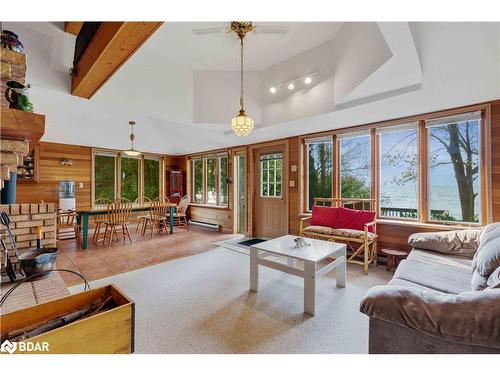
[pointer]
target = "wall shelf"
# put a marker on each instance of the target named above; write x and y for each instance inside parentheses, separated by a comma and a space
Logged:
(21, 126)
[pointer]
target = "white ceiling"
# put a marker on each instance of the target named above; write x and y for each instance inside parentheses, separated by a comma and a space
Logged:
(175, 42)
(424, 69)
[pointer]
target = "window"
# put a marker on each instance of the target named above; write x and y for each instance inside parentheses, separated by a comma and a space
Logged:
(151, 178)
(198, 180)
(355, 166)
(223, 193)
(129, 178)
(270, 175)
(454, 168)
(319, 169)
(398, 171)
(104, 176)
(209, 180)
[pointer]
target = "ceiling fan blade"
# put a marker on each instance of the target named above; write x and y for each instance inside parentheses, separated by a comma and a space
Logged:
(211, 30)
(282, 30)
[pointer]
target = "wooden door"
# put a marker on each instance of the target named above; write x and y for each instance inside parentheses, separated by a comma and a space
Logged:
(270, 213)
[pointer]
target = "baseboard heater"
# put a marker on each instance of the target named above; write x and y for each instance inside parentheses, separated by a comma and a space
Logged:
(202, 224)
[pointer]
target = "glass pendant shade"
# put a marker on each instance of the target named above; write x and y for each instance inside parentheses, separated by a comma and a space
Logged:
(131, 152)
(242, 125)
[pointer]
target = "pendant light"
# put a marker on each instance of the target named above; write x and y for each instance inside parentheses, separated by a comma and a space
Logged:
(131, 151)
(242, 124)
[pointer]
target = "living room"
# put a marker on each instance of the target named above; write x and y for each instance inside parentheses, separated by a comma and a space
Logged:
(288, 185)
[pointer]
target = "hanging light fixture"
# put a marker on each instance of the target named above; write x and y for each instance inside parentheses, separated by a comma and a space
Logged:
(242, 124)
(131, 151)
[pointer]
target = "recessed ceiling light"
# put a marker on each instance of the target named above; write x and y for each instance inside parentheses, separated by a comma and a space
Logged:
(291, 86)
(272, 90)
(308, 80)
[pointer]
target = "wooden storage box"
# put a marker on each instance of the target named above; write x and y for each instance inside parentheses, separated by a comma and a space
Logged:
(110, 331)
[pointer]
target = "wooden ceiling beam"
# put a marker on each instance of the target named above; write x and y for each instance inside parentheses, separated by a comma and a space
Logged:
(73, 27)
(109, 49)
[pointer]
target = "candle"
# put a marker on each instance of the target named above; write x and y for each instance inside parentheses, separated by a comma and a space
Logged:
(39, 232)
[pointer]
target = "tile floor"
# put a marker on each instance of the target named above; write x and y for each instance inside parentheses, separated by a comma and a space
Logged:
(100, 261)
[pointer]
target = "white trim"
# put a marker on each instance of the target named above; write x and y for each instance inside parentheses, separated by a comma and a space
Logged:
(455, 119)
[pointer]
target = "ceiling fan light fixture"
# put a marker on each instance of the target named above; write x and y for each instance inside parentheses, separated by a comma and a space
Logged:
(242, 124)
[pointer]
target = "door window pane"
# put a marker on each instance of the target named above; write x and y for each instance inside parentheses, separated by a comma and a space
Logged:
(211, 180)
(223, 197)
(271, 172)
(454, 169)
(320, 166)
(104, 177)
(355, 172)
(151, 178)
(198, 180)
(129, 178)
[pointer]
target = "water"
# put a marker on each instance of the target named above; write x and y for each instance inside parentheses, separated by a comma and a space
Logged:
(442, 198)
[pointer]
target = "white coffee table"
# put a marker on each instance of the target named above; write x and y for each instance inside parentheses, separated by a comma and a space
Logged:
(311, 256)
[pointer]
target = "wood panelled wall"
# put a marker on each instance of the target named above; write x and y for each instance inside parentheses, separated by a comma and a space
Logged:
(393, 235)
(495, 160)
(51, 172)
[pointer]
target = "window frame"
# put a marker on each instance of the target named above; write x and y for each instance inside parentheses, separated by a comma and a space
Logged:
(117, 157)
(204, 184)
(423, 167)
(261, 185)
(309, 141)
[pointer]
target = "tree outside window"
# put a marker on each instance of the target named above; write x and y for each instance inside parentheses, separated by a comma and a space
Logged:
(355, 167)
(320, 169)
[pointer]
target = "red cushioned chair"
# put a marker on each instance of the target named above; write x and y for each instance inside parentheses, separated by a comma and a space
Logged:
(356, 228)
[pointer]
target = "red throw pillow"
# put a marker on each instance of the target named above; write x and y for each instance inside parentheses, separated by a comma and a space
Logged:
(353, 219)
(324, 216)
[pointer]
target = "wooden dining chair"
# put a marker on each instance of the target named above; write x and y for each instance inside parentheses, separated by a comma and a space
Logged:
(66, 219)
(180, 217)
(162, 198)
(141, 219)
(100, 218)
(157, 218)
(118, 217)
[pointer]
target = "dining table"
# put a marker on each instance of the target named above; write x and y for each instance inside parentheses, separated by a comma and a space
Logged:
(83, 215)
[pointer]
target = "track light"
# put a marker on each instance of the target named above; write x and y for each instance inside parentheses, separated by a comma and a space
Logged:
(307, 80)
(291, 86)
(272, 90)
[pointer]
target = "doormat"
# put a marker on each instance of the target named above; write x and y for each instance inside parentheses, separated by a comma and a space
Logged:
(251, 241)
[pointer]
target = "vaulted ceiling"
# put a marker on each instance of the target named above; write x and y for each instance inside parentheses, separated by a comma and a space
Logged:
(182, 89)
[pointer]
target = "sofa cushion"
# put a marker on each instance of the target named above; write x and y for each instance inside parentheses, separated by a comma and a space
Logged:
(353, 219)
(440, 277)
(494, 279)
(324, 216)
(487, 258)
(457, 242)
(408, 284)
(341, 232)
(433, 257)
(478, 282)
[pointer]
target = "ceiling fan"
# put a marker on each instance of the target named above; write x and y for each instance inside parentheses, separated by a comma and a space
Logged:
(243, 27)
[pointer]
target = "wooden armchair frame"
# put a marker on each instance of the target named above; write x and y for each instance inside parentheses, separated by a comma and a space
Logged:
(365, 247)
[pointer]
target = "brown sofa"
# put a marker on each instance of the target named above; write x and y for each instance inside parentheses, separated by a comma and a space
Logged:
(444, 298)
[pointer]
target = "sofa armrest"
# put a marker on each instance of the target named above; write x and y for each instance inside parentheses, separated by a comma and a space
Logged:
(303, 222)
(470, 317)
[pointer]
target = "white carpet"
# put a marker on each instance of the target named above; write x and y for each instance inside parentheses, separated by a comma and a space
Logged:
(201, 304)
